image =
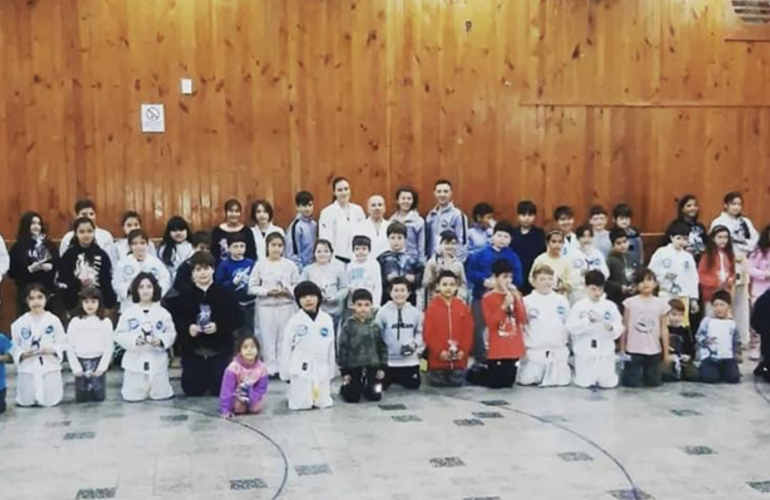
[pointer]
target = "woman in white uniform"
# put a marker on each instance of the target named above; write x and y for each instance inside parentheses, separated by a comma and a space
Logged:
(339, 220)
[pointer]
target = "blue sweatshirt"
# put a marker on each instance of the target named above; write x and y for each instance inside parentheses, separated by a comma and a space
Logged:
(5, 348)
(479, 268)
(234, 275)
(439, 220)
(300, 239)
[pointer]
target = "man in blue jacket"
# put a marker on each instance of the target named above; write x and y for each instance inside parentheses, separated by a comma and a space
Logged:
(479, 272)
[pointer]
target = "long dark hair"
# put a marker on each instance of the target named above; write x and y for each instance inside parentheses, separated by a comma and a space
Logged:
(24, 234)
(90, 293)
(75, 225)
(175, 223)
(711, 248)
(680, 207)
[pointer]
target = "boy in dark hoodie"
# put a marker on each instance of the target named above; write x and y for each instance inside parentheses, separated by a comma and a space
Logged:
(396, 263)
(622, 214)
(362, 353)
(681, 347)
(206, 315)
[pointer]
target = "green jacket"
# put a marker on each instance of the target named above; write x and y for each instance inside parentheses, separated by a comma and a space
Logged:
(360, 344)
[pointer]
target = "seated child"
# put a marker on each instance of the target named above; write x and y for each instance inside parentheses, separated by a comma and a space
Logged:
(401, 325)
(146, 331)
(718, 343)
(504, 315)
(362, 353)
(594, 324)
(448, 334)
(244, 384)
(445, 258)
(545, 334)
(38, 349)
(5, 357)
(681, 347)
(645, 340)
(307, 355)
(206, 316)
(89, 346)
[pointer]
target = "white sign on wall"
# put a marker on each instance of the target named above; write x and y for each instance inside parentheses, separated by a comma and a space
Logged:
(153, 119)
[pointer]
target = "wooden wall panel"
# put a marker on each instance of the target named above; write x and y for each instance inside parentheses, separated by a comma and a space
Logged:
(572, 101)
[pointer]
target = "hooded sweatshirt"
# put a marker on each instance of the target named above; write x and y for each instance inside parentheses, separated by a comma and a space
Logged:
(92, 262)
(402, 332)
(447, 323)
(245, 379)
(300, 240)
(445, 218)
(360, 344)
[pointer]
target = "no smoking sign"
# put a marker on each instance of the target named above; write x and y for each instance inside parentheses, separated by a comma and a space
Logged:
(153, 119)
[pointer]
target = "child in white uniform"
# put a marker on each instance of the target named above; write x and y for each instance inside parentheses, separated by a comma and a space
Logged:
(584, 257)
(545, 334)
(146, 331)
(272, 282)
(307, 357)
(89, 347)
(594, 324)
(38, 349)
(140, 260)
(121, 248)
(676, 271)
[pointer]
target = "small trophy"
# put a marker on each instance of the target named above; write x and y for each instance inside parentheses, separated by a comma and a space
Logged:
(146, 328)
(204, 316)
(243, 392)
(40, 252)
(454, 350)
(407, 350)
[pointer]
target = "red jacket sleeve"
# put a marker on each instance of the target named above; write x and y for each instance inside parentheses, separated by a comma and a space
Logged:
(708, 278)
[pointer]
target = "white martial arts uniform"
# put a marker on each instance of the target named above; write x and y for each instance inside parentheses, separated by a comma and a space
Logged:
(145, 367)
(182, 252)
(545, 335)
(39, 377)
(120, 249)
(581, 263)
(594, 342)
(273, 312)
(126, 270)
(89, 338)
(5, 258)
(367, 276)
(666, 260)
(103, 239)
(380, 243)
(338, 227)
(260, 239)
(308, 360)
(745, 239)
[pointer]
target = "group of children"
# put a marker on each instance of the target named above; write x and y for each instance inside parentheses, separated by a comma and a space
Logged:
(378, 301)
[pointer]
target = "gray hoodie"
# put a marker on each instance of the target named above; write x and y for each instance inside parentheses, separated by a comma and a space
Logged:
(400, 328)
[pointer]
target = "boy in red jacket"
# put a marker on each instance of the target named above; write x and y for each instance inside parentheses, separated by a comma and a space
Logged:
(504, 315)
(448, 334)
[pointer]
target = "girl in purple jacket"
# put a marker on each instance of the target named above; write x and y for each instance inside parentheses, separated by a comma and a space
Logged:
(244, 383)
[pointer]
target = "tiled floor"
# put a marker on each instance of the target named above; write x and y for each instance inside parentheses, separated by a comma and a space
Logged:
(678, 442)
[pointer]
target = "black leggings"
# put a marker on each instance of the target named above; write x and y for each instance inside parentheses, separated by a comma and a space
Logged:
(203, 374)
(498, 373)
(405, 376)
